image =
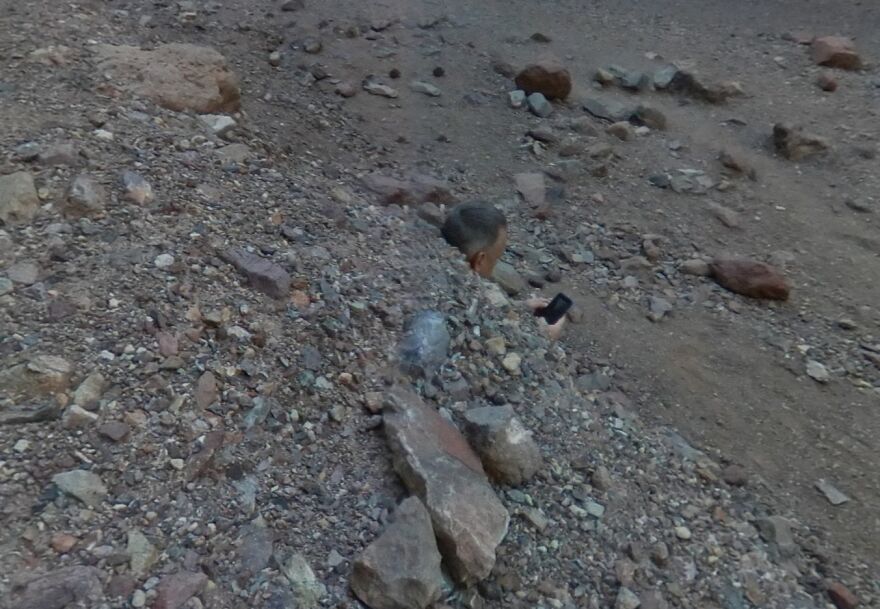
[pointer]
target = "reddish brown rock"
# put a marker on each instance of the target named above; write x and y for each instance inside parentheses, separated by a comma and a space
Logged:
(436, 464)
(827, 82)
(175, 76)
(835, 52)
(176, 589)
(750, 278)
(842, 597)
(545, 77)
(412, 190)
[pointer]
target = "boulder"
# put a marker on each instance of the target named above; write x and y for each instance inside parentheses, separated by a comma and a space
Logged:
(411, 190)
(18, 198)
(178, 77)
(60, 589)
(401, 569)
(508, 451)
(835, 52)
(750, 278)
(546, 77)
(794, 144)
(437, 464)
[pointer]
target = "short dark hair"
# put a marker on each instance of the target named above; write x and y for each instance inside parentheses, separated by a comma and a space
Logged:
(473, 226)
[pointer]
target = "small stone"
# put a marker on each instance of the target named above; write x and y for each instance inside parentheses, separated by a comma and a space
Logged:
(539, 105)
(137, 188)
(76, 416)
(546, 77)
(817, 371)
(511, 363)
(516, 99)
(622, 130)
(626, 599)
(83, 485)
(164, 261)
(842, 597)
(425, 88)
(827, 82)
(683, 533)
(835, 52)
(735, 475)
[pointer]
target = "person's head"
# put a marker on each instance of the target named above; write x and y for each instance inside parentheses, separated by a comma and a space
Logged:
(479, 231)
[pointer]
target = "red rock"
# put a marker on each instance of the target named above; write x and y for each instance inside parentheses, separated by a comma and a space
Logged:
(175, 589)
(827, 82)
(750, 278)
(835, 52)
(545, 77)
(841, 597)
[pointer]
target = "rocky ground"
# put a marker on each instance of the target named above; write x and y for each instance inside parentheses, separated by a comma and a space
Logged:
(210, 259)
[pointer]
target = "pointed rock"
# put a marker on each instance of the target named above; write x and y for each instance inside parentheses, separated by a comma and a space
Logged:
(401, 569)
(437, 465)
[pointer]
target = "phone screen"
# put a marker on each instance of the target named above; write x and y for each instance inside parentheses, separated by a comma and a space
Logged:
(557, 308)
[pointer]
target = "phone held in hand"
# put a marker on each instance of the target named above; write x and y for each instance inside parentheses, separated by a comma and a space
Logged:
(557, 308)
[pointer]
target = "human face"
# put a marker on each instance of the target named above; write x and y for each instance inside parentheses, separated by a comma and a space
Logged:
(483, 262)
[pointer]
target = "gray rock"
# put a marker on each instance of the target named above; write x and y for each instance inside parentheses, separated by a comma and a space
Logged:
(18, 198)
(509, 279)
(83, 485)
(85, 197)
(401, 569)
(263, 275)
(425, 88)
(424, 346)
(539, 105)
(613, 111)
(438, 466)
(60, 589)
(306, 587)
(508, 451)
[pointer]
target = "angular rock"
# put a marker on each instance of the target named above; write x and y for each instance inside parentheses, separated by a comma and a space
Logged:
(83, 485)
(546, 77)
(794, 144)
(835, 52)
(539, 105)
(176, 589)
(412, 190)
(41, 375)
(85, 198)
(750, 278)
(178, 77)
(401, 569)
(425, 344)
(509, 279)
(438, 466)
(60, 589)
(306, 587)
(263, 275)
(18, 198)
(508, 451)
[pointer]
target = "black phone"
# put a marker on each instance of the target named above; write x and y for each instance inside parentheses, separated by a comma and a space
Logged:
(557, 308)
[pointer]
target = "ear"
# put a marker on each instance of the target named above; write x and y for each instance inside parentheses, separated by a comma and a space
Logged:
(478, 260)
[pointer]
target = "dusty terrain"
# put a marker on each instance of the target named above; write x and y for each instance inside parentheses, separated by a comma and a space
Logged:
(726, 373)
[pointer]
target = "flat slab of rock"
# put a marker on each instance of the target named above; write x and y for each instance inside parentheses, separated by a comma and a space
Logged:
(509, 453)
(61, 588)
(175, 76)
(18, 198)
(401, 569)
(263, 275)
(548, 78)
(412, 190)
(750, 278)
(437, 464)
(835, 52)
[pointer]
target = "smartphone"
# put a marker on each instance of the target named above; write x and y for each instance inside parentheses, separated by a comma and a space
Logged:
(557, 308)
